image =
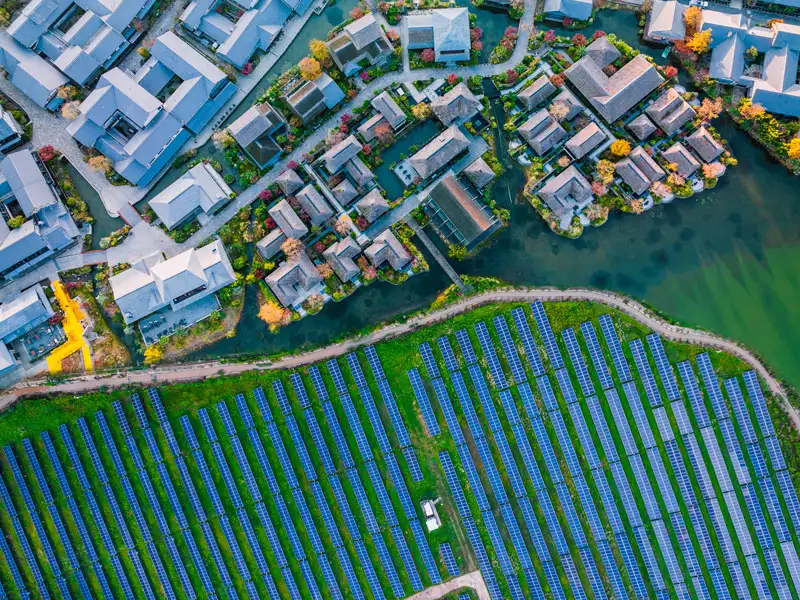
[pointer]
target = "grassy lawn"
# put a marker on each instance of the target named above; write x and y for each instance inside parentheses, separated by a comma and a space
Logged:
(30, 418)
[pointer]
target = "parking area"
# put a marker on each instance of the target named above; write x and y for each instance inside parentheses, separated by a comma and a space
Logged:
(166, 322)
(38, 342)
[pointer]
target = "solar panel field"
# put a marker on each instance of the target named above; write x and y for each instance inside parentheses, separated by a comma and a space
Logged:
(593, 461)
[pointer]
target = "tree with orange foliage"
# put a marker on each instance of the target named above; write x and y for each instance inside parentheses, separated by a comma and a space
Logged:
(292, 248)
(310, 69)
(750, 111)
(271, 314)
(100, 163)
(709, 109)
(793, 151)
(620, 148)
(692, 18)
(71, 110)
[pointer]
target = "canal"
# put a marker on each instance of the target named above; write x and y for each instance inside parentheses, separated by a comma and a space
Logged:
(726, 261)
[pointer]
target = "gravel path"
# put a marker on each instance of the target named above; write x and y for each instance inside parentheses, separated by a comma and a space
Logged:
(472, 580)
(194, 372)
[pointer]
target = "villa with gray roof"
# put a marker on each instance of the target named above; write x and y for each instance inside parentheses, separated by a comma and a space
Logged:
(568, 100)
(586, 140)
(339, 154)
(256, 132)
(201, 190)
(389, 109)
(295, 280)
(345, 192)
(446, 30)
(642, 127)
(28, 191)
(542, 132)
(287, 220)
(30, 73)
(439, 152)
(340, 257)
(309, 99)
(457, 105)
(639, 170)
(367, 129)
(314, 205)
(373, 205)
(679, 155)
(387, 248)
(567, 193)
(612, 96)
(359, 171)
(580, 10)
(670, 111)
(666, 22)
(81, 39)
(289, 181)
(537, 92)
(10, 132)
(155, 283)
(458, 216)
(479, 173)
(270, 244)
(19, 315)
(704, 144)
(236, 31)
(125, 120)
(361, 40)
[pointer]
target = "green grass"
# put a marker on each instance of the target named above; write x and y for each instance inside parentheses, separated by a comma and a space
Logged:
(28, 419)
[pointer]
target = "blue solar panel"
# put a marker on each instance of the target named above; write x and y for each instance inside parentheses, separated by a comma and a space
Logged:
(790, 496)
(546, 390)
(614, 346)
(474, 479)
(775, 453)
(639, 416)
(589, 508)
(774, 510)
(739, 524)
(599, 421)
(740, 411)
(717, 462)
(338, 436)
(528, 343)
(374, 363)
(570, 456)
(424, 402)
(495, 369)
(406, 559)
(355, 425)
(547, 450)
(665, 545)
(375, 420)
(413, 464)
(449, 559)
(298, 441)
(734, 450)
(568, 509)
(662, 480)
(318, 383)
(663, 424)
(386, 560)
(621, 421)
(664, 368)
(579, 423)
(138, 411)
(565, 384)
(645, 373)
(449, 356)
(394, 414)
(355, 370)
(509, 349)
(579, 364)
(595, 353)
(543, 323)
(283, 400)
(336, 375)
(483, 394)
(369, 569)
(428, 360)
(380, 490)
(464, 343)
(448, 412)
(528, 401)
(300, 390)
(491, 470)
(528, 460)
(484, 563)
(695, 396)
(759, 404)
(712, 386)
(593, 574)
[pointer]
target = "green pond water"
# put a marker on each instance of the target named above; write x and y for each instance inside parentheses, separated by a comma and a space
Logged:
(103, 223)
(726, 261)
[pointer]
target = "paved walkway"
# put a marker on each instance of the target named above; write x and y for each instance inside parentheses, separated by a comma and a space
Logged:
(437, 255)
(168, 18)
(195, 372)
(473, 580)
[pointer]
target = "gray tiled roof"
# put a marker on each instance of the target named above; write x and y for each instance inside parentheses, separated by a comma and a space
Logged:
(387, 248)
(289, 181)
(439, 151)
(345, 192)
(704, 144)
(338, 155)
(390, 110)
(314, 204)
(463, 211)
(200, 189)
(367, 128)
(285, 217)
(479, 173)
(679, 155)
(537, 92)
(293, 279)
(670, 111)
(567, 191)
(458, 103)
(586, 140)
(340, 257)
(642, 127)
(542, 132)
(372, 205)
(270, 244)
(639, 170)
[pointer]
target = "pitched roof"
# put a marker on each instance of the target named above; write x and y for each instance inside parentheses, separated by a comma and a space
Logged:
(479, 173)
(19, 312)
(573, 105)
(285, 217)
(387, 248)
(679, 155)
(451, 30)
(670, 111)
(314, 204)
(666, 20)
(566, 191)
(542, 132)
(289, 181)
(27, 182)
(642, 127)
(574, 9)
(458, 103)
(389, 109)
(270, 244)
(364, 31)
(586, 140)
(537, 92)
(345, 192)
(338, 155)
(358, 170)
(439, 151)
(367, 128)
(200, 189)
(639, 170)
(294, 279)
(372, 205)
(704, 144)
(256, 120)
(461, 209)
(340, 257)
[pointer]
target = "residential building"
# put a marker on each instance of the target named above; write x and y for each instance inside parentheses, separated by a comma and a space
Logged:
(586, 140)
(639, 170)
(256, 132)
(537, 92)
(568, 100)
(83, 38)
(287, 220)
(309, 99)
(154, 283)
(679, 155)
(580, 10)
(289, 181)
(201, 190)
(670, 111)
(456, 106)
(446, 30)
(359, 171)
(373, 205)
(776, 87)
(458, 216)
(314, 205)
(339, 154)
(344, 192)
(440, 151)
(567, 193)
(387, 248)
(704, 144)
(30, 73)
(666, 22)
(235, 31)
(389, 109)
(542, 132)
(28, 193)
(612, 96)
(359, 41)
(340, 257)
(642, 127)
(295, 280)
(270, 244)
(10, 132)
(368, 127)
(479, 173)
(19, 315)
(141, 121)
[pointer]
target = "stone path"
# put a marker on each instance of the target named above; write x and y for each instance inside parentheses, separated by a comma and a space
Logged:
(164, 23)
(196, 372)
(472, 580)
(437, 255)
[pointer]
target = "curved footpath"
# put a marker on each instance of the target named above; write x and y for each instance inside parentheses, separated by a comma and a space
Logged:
(194, 372)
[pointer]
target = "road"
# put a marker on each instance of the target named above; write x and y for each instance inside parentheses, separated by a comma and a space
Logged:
(194, 372)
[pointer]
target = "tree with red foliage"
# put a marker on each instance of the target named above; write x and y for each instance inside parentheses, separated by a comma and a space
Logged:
(346, 118)
(270, 223)
(319, 246)
(247, 68)
(549, 36)
(383, 7)
(477, 46)
(511, 33)
(47, 153)
(356, 13)
(265, 195)
(598, 34)
(557, 80)
(366, 149)
(567, 22)
(452, 78)
(475, 34)
(671, 71)
(292, 164)
(343, 128)
(511, 77)
(579, 40)
(428, 55)
(384, 133)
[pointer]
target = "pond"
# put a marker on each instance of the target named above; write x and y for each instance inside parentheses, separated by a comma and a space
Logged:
(416, 137)
(103, 223)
